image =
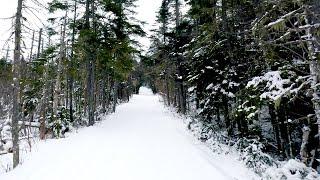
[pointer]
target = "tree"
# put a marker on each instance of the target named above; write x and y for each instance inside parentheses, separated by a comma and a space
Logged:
(250, 67)
(16, 108)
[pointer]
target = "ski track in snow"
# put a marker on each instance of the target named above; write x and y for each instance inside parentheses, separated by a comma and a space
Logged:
(141, 141)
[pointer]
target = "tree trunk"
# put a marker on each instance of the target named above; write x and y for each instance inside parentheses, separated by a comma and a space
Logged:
(7, 54)
(108, 93)
(115, 96)
(71, 67)
(90, 65)
(303, 149)
(275, 126)
(313, 62)
(16, 108)
(39, 43)
(284, 133)
(43, 103)
(167, 88)
(104, 96)
(179, 83)
(42, 45)
(217, 107)
(224, 15)
(57, 87)
(182, 98)
(226, 114)
(32, 42)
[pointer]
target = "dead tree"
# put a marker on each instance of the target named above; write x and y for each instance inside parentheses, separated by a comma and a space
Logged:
(16, 105)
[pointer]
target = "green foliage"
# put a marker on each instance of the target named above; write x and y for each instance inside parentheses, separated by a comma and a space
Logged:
(57, 5)
(61, 124)
(246, 67)
(253, 156)
(5, 69)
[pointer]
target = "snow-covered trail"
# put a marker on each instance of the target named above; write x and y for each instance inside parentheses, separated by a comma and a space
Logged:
(141, 141)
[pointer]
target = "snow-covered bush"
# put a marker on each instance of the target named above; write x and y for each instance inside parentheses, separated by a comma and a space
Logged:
(251, 153)
(196, 127)
(291, 170)
(251, 150)
(60, 124)
(5, 137)
(246, 113)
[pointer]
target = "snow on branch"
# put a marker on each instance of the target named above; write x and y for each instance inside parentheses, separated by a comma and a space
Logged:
(282, 18)
(275, 85)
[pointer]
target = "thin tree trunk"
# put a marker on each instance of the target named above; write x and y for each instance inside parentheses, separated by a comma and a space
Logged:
(71, 67)
(90, 66)
(115, 96)
(43, 102)
(218, 115)
(108, 93)
(104, 96)
(16, 86)
(305, 139)
(275, 125)
(226, 114)
(7, 54)
(167, 88)
(42, 45)
(224, 15)
(32, 44)
(180, 88)
(57, 87)
(39, 43)
(281, 115)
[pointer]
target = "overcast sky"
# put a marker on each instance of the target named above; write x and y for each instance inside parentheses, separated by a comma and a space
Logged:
(146, 12)
(6, 10)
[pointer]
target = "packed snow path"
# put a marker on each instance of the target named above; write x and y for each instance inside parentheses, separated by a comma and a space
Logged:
(141, 141)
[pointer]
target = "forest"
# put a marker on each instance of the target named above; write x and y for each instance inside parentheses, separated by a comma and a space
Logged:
(245, 70)
(246, 73)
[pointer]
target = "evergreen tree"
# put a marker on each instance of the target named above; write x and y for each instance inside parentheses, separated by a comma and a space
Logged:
(248, 66)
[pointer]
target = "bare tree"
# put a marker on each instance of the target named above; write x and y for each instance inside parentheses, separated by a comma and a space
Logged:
(16, 85)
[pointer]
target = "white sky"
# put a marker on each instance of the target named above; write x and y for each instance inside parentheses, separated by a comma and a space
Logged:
(6, 10)
(146, 12)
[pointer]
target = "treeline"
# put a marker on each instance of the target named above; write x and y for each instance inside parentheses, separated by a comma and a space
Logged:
(81, 68)
(249, 68)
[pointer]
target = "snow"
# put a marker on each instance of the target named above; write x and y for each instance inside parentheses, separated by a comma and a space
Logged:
(292, 170)
(274, 85)
(199, 52)
(316, 25)
(145, 91)
(7, 146)
(6, 158)
(209, 86)
(282, 18)
(191, 89)
(141, 141)
(275, 22)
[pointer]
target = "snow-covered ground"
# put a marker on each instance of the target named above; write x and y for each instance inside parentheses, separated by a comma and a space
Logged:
(141, 141)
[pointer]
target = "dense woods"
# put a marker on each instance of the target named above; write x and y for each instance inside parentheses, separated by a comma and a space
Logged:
(245, 70)
(82, 69)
